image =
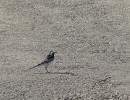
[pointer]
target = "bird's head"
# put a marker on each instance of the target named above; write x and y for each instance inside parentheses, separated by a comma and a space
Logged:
(52, 53)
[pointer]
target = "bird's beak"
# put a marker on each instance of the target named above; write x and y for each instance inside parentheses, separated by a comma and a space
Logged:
(55, 52)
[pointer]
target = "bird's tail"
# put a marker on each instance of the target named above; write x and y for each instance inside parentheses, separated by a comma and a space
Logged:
(34, 66)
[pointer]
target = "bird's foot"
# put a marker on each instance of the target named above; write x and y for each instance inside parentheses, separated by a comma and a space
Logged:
(47, 72)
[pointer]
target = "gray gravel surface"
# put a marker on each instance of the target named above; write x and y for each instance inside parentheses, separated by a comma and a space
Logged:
(92, 38)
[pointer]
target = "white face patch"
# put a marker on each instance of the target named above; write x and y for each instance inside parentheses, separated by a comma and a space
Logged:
(52, 52)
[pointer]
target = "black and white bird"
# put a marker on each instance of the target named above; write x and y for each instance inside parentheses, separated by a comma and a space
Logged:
(49, 59)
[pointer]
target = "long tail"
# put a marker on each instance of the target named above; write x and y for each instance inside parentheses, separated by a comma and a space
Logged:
(34, 66)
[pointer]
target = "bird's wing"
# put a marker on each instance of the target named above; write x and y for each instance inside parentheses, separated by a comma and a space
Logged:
(46, 61)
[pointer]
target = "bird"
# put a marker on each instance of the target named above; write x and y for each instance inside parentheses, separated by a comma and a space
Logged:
(49, 59)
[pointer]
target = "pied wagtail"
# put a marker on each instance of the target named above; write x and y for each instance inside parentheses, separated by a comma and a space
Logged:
(49, 59)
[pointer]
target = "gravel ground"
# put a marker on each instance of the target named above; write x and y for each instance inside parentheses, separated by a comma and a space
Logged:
(92, 38)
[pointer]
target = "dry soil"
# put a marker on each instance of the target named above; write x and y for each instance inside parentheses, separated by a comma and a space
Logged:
(92, 38)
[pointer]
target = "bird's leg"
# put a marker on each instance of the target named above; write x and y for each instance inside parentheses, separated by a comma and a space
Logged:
(46, 69)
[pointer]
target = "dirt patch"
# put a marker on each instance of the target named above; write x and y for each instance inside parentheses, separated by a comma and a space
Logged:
(93, 44)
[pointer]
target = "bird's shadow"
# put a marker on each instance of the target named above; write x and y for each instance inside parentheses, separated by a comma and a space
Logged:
(65, 73)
